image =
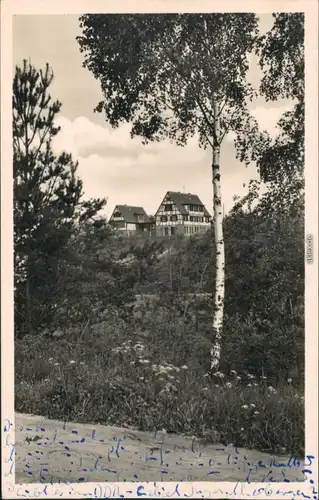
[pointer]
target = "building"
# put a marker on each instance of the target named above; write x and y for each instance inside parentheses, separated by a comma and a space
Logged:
(181, 213)
(130, 219)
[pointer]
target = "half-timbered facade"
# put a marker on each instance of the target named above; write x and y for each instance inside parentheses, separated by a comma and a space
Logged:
(181, 213)
(130, 219)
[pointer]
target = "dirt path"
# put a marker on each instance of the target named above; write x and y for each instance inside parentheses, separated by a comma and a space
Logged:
(47, 451)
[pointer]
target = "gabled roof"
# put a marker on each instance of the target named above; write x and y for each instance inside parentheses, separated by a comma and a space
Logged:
(182, 199)
(130, 213)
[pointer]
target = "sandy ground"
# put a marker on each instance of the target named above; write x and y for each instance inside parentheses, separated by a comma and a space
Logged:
(49, 451)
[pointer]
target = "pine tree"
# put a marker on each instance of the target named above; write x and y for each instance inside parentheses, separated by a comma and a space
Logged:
(48, 197)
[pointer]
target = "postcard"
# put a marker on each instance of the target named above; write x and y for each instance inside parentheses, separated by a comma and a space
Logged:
(159, 249)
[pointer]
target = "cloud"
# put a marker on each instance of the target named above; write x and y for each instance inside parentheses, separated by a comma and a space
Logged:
(113, 165)
(268, 117)
(83, 138)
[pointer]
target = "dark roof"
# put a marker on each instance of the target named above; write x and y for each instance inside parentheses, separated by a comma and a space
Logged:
(181, 199)
(130, 214)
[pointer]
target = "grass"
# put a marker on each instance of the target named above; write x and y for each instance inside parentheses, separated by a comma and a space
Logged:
(151, 375)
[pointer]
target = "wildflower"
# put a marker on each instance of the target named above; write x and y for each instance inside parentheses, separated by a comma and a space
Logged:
(250, 376)
(256, 413)
(255, 384)
(297, 396)
(132, 362)
(50, 359)
(219, 374)
(238, 377)
(242, 429)
(205, 389)
(81, 362)
(263, 377)
(206, 375)
(289, 380)
(233, 372)
(228, 384)
(249, 385)
(272, 390)
(144, 361)
(184, 367)
(252, 405)
(141, 378)
(56, 364)
(139, 348)
(162, 370)
(177, 369)
(72, 362)
(245, 407)
(216, 385)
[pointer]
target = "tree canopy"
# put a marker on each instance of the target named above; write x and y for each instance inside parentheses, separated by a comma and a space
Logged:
(281, 57)
(162, 72)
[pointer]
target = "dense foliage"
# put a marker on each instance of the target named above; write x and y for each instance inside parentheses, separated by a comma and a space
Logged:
(163, 72)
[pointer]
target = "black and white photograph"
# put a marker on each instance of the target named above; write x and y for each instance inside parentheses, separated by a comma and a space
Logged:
(161, 242)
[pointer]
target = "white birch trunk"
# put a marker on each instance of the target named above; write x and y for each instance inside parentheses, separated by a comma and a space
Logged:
(219, 247)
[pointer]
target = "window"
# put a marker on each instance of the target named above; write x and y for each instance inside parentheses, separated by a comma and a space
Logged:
(163, 218)
(173, 218)
(168, 208)
(196, 208)
(191, 218)
(185, 217)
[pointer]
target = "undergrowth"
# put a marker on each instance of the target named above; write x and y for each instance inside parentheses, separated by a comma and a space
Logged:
(133, 374)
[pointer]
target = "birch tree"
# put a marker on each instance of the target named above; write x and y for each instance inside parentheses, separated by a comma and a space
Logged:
(280, 160)
(177, 76)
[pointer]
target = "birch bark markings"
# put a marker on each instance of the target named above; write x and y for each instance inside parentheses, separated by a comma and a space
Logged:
(219, 291)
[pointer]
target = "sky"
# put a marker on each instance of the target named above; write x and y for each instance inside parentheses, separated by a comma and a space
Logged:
(111, 164)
